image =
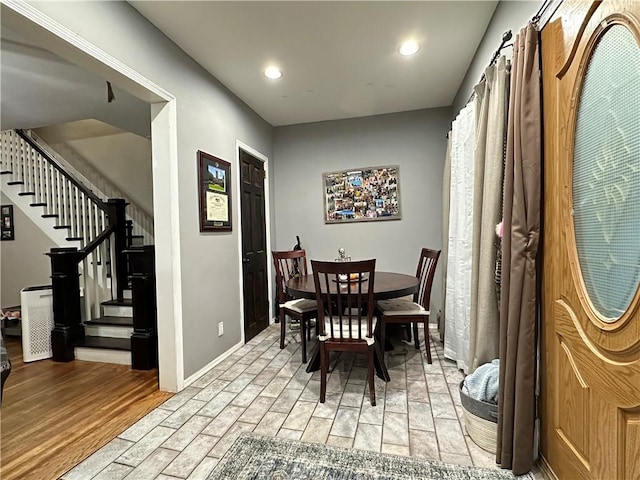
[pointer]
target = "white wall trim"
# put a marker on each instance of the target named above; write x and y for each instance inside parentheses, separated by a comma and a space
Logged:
(68, 44)
(168, 247)
(212, 364)
(267, 217)
(88, 49)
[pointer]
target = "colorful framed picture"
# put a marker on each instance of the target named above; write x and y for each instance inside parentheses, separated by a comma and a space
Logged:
(214, 185)
(361, 195)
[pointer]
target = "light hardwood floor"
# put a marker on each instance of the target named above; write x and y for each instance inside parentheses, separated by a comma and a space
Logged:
(56, 414)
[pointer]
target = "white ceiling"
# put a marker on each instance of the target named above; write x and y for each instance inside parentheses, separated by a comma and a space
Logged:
(38, 88)
(339, 58)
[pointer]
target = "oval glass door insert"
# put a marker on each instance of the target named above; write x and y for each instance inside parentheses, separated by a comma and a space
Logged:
(606, 174)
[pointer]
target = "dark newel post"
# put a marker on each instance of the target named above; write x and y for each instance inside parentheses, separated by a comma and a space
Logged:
(65, 280)
(144, 339)
(129, 233)
(116, 214)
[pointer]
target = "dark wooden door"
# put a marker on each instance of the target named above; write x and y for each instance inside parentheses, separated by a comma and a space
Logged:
(254, 246)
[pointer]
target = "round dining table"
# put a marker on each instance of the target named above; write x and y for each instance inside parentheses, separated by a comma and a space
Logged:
(386, 285)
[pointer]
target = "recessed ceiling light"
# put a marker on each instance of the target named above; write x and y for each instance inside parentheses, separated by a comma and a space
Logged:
(272, 72)
(409, 47)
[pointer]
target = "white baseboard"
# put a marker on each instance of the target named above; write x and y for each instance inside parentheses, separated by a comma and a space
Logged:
(120, 357)
(206, 368)
(542, 468)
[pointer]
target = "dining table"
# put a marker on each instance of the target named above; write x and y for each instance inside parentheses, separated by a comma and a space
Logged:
(386, 285)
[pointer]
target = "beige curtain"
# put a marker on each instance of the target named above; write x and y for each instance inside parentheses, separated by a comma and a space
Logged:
(518, 312)
(487, 212)
(446, 180)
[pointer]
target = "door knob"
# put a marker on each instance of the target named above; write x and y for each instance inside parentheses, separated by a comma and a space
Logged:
(245, 260)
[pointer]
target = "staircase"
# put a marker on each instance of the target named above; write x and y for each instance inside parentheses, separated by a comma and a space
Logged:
(96, 247)
(108, 337)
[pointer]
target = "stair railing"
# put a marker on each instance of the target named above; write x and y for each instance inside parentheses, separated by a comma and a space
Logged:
(95, 181)
(99, 226)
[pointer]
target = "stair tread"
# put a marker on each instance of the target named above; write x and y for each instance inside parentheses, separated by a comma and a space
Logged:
(57, 227)
(49, 215)
(38, 204)
(5, 172)
(127, 302)
(110, 343)
(107, 320)
(24, 194)
(17, 182)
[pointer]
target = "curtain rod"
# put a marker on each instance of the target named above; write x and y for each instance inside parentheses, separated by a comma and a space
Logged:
(543, 8)
(506, 36)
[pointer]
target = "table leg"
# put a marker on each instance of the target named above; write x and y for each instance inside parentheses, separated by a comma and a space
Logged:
(314, 362)
(378, 362)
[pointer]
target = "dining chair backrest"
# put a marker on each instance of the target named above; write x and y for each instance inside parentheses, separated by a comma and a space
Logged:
(344, 292)
(425, 273)
(288, 264)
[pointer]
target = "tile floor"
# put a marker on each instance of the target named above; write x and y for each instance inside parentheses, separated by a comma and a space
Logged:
(265, 390)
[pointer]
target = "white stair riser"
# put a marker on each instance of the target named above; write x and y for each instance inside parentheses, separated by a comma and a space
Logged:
(108, 331)
(117, 311)
(103, 355)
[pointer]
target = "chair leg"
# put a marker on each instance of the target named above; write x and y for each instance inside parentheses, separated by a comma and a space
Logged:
(324, 367)
(427, 340)
(415, 335)
(372, 385)
(383, 334)
(283, 328)
(303, 336)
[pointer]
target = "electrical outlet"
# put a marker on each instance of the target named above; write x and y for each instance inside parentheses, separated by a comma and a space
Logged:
(220, 329)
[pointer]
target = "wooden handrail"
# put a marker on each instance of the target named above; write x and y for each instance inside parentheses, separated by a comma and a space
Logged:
(91, 246)
(98, 201)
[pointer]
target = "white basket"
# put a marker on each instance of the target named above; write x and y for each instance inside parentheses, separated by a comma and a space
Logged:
(481, 421)
(37, 322)
(483, 432)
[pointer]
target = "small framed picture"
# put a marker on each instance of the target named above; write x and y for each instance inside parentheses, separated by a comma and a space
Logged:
(214, 190)
(6, 222)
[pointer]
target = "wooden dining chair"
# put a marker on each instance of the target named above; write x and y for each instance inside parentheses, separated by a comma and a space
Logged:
(345, 302)
(403, 311)
(289, 264)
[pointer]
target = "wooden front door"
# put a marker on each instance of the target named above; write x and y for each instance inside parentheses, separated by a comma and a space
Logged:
(590, 389)
(254, 246)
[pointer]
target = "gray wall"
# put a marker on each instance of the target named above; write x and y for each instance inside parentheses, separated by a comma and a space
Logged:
(23, 261)
(413, 140)
(124, 159)
(209, 118)
(509, 15)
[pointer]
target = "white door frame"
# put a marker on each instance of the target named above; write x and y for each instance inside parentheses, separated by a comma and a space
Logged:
(267, 218)
(33, 24)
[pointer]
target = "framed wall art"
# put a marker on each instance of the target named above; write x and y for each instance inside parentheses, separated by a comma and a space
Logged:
(6, 217)
(214, 185)
(362, 195)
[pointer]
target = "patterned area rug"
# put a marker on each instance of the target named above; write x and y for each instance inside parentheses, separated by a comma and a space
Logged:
(264, 458)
